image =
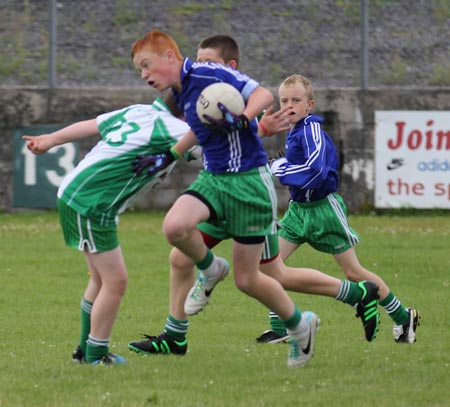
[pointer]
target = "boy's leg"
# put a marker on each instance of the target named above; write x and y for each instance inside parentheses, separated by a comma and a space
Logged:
(172, 340)
(111, 269)
(86, 303)
(181, 231)
(402, 317)
(311, 281)
(270, 263)
(105, 262)
(333, 214)
(182, 278)
(269, 292)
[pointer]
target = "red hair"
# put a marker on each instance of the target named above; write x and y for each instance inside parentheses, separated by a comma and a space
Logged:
(157, 42)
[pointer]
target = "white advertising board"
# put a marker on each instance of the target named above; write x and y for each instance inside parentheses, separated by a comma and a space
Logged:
(412, 159)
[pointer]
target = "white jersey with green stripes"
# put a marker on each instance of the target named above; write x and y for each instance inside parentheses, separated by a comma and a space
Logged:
(102, 183)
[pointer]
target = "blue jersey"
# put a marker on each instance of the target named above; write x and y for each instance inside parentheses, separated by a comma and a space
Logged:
(311, 165)
(235, 152)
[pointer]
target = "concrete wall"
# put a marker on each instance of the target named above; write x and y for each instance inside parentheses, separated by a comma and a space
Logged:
(349, 119)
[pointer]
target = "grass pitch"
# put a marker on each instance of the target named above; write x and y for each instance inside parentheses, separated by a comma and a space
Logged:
(42, 282)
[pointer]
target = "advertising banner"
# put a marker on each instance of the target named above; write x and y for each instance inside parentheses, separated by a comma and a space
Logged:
(412, 159)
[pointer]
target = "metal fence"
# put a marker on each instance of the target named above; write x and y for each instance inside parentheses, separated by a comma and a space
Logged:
(342, 43)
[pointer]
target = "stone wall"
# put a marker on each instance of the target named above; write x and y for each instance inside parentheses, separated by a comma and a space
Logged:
(348, 113)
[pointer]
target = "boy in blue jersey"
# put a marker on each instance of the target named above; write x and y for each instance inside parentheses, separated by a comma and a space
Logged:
(224, 50)
(317, 214)
(235, 189)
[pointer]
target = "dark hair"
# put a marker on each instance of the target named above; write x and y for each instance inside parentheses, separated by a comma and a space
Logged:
(229, 49)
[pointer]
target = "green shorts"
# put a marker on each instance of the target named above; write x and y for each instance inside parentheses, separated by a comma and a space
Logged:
(271, 245)
(83, 233)
(271, 248)
(323, 224)
(242, 204)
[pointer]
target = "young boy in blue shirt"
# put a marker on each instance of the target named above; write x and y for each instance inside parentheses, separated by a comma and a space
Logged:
(317, 214)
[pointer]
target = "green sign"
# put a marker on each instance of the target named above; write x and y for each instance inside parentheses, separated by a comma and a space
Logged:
(37, 177)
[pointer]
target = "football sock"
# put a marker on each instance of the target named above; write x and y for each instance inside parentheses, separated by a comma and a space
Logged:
(207, 261)
(276, 323)
(96, 348)
(294, 324)
(209, 266)
(395, 309)
(86, 308)
(176, 329)
(349, 292)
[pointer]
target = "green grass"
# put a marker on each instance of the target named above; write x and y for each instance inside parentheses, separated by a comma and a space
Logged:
(43, 280)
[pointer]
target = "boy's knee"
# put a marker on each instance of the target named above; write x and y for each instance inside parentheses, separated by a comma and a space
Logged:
(120, 286)
(123, 285)
(243, 284)
(179, 261)
(174, 231)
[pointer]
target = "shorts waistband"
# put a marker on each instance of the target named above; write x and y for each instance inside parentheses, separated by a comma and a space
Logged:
(311, 204)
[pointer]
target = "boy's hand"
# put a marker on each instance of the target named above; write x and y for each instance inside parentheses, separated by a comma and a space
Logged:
(272, 123)
(152, 162)
(39, 144)
(274, 158)
(230, 122)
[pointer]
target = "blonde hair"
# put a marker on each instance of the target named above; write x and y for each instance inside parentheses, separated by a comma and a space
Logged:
(157, 42)
(300, 80)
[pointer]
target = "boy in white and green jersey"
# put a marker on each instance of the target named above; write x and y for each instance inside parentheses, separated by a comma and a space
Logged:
(93, 195)
(100, 186)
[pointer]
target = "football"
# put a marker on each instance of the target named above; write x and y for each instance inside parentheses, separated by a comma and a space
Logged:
(219, 92)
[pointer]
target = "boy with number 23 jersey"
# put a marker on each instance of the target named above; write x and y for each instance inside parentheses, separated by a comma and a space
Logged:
(90, 200)
(102, 183)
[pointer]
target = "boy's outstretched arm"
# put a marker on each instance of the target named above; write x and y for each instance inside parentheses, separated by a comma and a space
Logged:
(41, 144)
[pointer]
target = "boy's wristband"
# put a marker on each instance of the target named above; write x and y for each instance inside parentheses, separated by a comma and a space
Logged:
(175, 153)
(264, 129)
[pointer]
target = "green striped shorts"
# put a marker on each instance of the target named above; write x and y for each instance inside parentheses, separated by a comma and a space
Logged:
(323, 224)
(83, 233)
(244, 204)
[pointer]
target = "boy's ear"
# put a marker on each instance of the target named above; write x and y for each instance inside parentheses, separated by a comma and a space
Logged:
(233, 64)
(170, 53)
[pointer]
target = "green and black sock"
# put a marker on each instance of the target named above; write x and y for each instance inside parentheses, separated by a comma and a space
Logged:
(395, 309)
(86, 309)
(277, 324)
(349, 293)
(96, 348)
(176, 329)
(207, 261)
(293, 324)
